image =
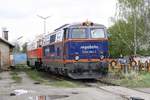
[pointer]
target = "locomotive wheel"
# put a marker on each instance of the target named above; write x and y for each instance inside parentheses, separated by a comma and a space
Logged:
(37, 65)
(49, 69)
(104, 70)
(66, 72)
(56, 71)
(33, 66)
(28, 63)
(40, 66)
(46, 69)
(63, 72)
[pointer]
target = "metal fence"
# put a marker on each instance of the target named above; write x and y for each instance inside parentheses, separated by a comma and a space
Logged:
(126, 65)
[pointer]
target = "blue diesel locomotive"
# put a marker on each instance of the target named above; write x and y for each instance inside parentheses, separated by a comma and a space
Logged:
(79, 51)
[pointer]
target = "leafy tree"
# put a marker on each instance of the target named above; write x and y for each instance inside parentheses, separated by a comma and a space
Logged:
(24, 48)
(17, 48)
(130, 28)
(121, 38)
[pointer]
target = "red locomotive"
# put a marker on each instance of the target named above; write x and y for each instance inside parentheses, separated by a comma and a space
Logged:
(34, 52)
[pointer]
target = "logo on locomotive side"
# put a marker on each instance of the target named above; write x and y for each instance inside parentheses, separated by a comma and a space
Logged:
(89, 47)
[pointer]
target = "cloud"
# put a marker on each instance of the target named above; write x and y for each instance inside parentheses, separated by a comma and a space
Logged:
(20, 16)
(15, 8)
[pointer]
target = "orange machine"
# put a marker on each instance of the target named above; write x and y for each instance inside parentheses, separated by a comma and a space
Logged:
(34, 52)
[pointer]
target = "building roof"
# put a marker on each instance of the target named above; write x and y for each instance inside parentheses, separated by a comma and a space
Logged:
(5, 41)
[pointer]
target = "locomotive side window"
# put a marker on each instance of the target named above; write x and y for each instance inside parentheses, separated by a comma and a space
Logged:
(52, 38)
(78, 33)
(97, 33)
(59, 36)
(46, 39)
(52, 48)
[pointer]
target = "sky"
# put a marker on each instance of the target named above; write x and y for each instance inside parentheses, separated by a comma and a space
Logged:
(20, 16)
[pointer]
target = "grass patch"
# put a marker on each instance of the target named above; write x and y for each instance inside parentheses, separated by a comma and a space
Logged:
(20, 68)
(134, 80)
(35, 75)
(15, 70)
(15, 77)
(51, 80)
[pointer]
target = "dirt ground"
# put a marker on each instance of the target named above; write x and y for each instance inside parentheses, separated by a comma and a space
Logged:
(31, 91)
(27, 90)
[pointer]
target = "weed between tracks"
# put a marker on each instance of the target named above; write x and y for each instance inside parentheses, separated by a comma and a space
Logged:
(50, 80)
(47, 78)
(15, 77)
(132, 79)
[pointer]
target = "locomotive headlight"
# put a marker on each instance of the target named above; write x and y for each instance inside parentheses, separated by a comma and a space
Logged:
(101, 57)
(76, 58)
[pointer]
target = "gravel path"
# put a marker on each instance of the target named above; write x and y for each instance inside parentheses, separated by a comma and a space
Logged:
(5, 80)
(25, 79)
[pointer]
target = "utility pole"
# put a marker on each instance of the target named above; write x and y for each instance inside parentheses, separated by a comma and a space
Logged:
(44, 21)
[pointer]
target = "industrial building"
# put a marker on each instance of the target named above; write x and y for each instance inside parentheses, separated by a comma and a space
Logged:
(6, 50)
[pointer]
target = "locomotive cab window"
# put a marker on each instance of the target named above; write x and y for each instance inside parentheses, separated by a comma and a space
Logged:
(97, 33)
(78, 33)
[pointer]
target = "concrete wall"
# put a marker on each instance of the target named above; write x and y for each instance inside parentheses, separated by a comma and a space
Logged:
(4, 56)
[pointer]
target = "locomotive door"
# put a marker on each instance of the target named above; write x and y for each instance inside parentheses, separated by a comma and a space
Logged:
(64, 47)
(0, 59)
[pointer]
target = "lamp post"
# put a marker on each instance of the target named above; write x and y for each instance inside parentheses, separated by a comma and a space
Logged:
(44, 18)
(19, 38)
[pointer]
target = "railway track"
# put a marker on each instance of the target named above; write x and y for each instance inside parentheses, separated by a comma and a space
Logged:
(124, 93)
(100, 83)
(105, 85)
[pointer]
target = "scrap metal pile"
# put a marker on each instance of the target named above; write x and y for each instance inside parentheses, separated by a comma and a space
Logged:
(126, 64)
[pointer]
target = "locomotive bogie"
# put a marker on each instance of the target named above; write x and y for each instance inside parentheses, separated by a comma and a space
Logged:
(89, 70)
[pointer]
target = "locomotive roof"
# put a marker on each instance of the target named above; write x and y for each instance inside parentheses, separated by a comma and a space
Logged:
(77, 25)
